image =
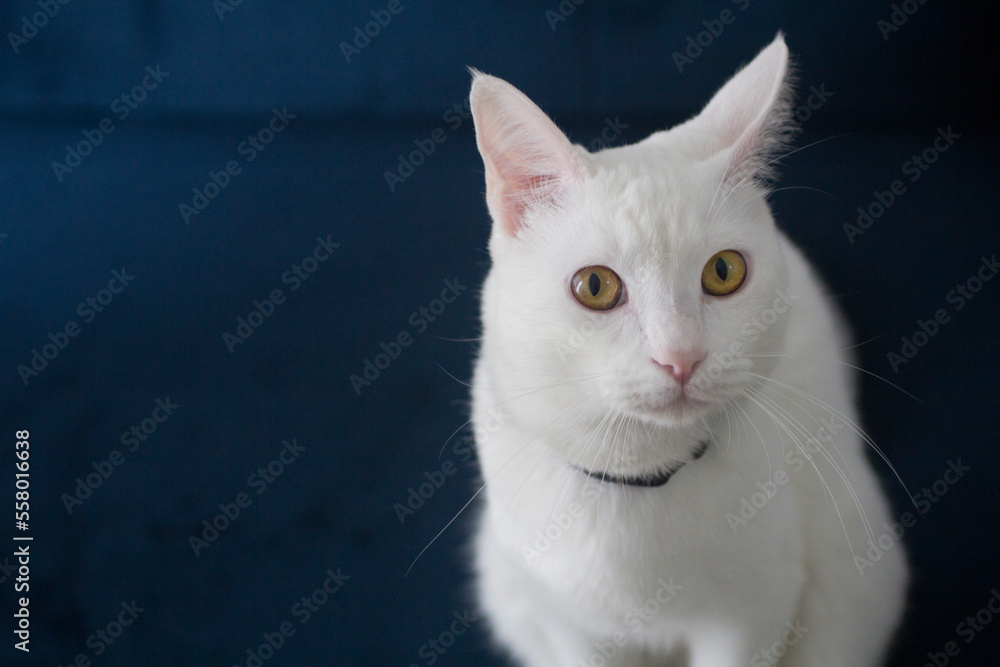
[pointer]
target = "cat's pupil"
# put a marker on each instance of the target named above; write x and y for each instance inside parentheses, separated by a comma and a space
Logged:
(721, 268)
(595, 284)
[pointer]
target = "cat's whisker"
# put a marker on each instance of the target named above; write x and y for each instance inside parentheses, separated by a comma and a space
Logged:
(622, 447)
(802, 187)
(826, 486)
(514, 496)
(806, 410)
(548, 454)
(857, 345)
(823, 450)
(514, 398)
(630, 428)
(603, 430)
(461, 382)
(763, 443)
(711, 205)
(729, 425)
(752, 185)
(548, 386)
(802, 148)
(610, 449)
(752, 195)
(850, 423)
(844, 363)
(749, 178)
(708, 429)
(480, 490)
(740, 419)
(570, 471)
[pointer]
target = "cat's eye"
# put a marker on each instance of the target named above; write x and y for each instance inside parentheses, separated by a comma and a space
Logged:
(723, 273)
(597, 287)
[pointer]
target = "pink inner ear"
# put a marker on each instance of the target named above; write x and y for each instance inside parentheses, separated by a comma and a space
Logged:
(748, 116)
(528, 160)
(517, 190)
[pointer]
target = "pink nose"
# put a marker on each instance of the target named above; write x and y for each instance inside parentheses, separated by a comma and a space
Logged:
(680, 364)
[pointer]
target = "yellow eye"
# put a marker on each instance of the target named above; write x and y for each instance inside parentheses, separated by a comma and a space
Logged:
(597, 287)
(724, 273)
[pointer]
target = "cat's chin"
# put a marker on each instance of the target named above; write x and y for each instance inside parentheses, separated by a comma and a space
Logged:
(681, 411)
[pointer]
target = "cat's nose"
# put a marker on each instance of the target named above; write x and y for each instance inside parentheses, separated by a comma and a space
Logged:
(679, 363)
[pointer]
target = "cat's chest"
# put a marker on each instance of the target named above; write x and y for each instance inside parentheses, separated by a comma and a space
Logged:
(601, 546)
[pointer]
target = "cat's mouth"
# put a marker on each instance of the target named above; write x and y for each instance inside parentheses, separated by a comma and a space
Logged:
(676, 408)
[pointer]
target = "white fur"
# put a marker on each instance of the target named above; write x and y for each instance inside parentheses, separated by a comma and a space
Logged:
(578, 389)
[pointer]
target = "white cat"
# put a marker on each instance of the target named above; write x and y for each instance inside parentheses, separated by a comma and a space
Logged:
(644, 316)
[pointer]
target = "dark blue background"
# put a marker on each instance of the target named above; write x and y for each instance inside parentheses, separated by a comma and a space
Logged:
(324, 175)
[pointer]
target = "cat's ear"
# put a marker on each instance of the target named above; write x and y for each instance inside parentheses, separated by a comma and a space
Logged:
(529, 161)
(751, 116)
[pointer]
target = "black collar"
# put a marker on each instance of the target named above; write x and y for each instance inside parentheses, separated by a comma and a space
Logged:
(648, 480)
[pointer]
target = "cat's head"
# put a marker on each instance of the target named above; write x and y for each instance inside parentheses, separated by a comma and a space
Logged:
(627, 282)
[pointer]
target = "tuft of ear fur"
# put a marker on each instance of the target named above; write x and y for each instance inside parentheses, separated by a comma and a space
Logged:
(751, 116)
(529, 161)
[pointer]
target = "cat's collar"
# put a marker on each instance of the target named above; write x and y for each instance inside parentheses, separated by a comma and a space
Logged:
(650, 480)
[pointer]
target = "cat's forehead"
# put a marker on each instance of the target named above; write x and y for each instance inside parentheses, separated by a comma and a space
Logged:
(650, 201)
